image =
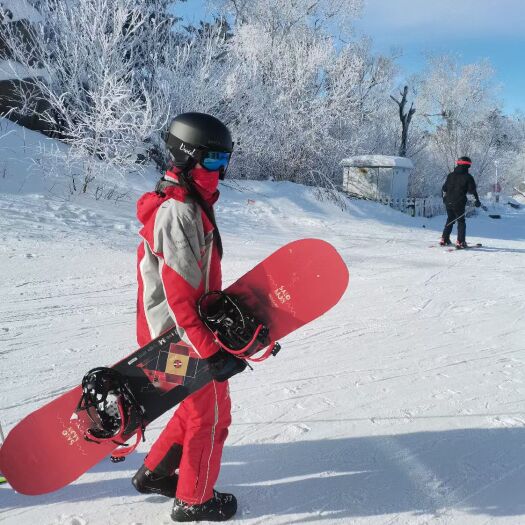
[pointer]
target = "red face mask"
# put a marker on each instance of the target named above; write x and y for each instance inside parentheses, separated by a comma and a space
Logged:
(206, 180)
(207, 183)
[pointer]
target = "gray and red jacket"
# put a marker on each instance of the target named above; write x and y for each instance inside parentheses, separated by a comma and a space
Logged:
(178, 261)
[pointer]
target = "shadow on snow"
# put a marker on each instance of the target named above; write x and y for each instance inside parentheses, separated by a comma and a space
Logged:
(476, 471)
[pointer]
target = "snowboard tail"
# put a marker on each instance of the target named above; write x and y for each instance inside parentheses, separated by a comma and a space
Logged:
(293, 286)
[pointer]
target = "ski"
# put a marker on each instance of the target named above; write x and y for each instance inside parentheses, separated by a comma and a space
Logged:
(459, 248)
(453, 248)
(477, 245)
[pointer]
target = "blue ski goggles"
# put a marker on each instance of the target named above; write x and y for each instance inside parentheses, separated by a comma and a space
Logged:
(215, 160)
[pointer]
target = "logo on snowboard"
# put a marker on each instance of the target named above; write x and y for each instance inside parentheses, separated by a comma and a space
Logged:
(70, 435)
(282, 295)
(170, 367)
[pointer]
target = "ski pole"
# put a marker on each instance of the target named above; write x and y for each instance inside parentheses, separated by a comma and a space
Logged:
(456, 219)
(483, 207)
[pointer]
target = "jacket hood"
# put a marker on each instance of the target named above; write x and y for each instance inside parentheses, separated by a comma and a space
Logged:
(148, 204)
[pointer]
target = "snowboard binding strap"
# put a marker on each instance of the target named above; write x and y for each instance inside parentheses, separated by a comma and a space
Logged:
(113, 409)
(236, 330)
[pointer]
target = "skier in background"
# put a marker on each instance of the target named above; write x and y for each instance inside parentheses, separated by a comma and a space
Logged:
(459, 182)
(179, 259)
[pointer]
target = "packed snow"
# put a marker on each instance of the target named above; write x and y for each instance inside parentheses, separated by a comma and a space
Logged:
(402, 406)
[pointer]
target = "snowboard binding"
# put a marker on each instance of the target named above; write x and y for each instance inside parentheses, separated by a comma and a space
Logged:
(114, 411)
(236, 330)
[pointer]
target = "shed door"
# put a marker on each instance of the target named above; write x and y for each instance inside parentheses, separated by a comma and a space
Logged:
(400, 183)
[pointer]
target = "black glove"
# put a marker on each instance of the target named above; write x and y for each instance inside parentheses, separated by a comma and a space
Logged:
(477, 204)
(224, 365)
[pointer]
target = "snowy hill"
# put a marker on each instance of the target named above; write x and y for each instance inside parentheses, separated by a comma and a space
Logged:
(403, 405)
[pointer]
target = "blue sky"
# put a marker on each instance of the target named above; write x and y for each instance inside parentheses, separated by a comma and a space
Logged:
(468, 29)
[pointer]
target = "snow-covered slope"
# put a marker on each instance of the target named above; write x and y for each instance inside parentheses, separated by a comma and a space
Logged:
(403, 405)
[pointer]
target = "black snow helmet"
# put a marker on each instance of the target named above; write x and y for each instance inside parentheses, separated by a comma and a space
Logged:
(192, 135)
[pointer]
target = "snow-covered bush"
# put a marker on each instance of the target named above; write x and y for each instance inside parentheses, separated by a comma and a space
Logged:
(99, 59)
(300, 102)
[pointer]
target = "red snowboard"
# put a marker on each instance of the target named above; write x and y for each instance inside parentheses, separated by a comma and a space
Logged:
(293, 286)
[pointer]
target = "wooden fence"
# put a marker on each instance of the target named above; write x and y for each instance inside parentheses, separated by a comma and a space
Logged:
(428, 207)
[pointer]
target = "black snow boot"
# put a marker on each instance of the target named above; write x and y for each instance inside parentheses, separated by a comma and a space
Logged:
(147, 482)
(219, 508)
(445, 242)
(461, 245)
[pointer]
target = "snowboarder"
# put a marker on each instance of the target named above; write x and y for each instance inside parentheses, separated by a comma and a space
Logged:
(179, 259)
(459, 182)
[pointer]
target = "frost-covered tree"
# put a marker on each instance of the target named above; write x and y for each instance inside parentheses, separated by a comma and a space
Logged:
(517, 168)
(99, 59)
(197, 71)
(405, 118)
(454, 98)
(506, 158)
(281, 16)
(297, 98)
(16, 80)
(461, 116)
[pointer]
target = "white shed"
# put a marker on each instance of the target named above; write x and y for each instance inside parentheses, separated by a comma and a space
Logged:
(377, 176)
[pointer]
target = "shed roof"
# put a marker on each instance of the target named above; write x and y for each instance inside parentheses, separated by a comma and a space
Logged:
(377, 161)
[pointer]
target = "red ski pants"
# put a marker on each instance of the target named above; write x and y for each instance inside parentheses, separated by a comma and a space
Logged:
(200, 425)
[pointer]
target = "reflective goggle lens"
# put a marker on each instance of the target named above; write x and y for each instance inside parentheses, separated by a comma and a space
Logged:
(215, 160)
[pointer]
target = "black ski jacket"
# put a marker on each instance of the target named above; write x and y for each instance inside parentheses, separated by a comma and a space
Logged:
(458, 184)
